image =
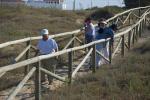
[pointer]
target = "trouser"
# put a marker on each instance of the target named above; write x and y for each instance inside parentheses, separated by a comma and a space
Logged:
(103, 48)
(50, 65)
(88, 39)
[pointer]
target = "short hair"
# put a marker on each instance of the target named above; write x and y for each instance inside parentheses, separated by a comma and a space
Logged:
(88, 19)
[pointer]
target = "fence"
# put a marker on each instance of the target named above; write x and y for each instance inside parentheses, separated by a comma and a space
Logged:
(134, 27)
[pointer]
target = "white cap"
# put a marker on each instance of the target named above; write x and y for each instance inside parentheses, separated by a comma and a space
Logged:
(44, 32)
(104, 22)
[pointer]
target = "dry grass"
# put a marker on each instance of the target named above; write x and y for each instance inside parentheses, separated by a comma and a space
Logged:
(20, 21)
(25, 21)
(127, 78)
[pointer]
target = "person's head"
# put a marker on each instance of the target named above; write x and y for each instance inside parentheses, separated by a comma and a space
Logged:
(44, 33)
(102, 23)
(114, 27)
(88, 20)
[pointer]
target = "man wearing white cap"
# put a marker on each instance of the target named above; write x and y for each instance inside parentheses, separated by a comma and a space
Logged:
(46, 46)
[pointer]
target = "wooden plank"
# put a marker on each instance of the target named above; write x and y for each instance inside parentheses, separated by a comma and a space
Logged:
(21, 84)
(79, 40)
(69, 43)
(2, 74)
(133, 38)
(14, 42)
(70, 62)
(54, 75)
(136, 15)
(22, 53)
(139, 12)
(28, 43)
(38, 82)
(122, 45)
(117, 48)
(132, 32)
(94, 58)
(120, 20)
(99, 53)
(129, 39)
(127, 18)
(116, 21)
(18, 65)
(81, 64)
(136, 35)
(126, 46)
(37, 38)
(34, 47)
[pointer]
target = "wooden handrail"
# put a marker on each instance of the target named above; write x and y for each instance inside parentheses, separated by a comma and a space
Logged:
(63, 34)
(42, 57)
(22, 53)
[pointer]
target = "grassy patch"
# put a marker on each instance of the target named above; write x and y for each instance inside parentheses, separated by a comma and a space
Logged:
(106, 12)
(25, 21)
(127, 78)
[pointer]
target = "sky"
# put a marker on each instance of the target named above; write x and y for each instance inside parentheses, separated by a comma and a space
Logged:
(82, 4)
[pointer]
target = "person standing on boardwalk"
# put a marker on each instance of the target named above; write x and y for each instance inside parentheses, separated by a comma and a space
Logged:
(89, 31)
(46, 46)
(103, 32)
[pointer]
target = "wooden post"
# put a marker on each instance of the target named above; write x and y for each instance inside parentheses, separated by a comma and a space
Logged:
(122, 46)
(72, 45)
(110, 50)
(135, 29)
(70, 61)
(145, 21)
(27, 57)
(38, 82)
(122, 17)
(133, 38)
(140, 30)
(142, 25)
(137, 32)
(94, 58)
(130, 19)
(129, 39)
(139, 12)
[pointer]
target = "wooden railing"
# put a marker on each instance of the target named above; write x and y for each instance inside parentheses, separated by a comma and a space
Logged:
(126, 39)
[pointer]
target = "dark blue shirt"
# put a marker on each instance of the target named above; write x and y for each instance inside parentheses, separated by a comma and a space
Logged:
(107, 33)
